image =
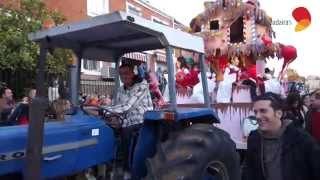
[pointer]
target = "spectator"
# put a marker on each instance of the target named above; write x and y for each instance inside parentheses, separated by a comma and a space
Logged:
(30, 96)
(94, 100)
(156, 95)
(105, 101)
(86, 99)
(306, 102)
(278, 150)
(82, 98)
(61, 106)
(20, 114)
(154, 84)
(162, 80)
(313, 116)
(6, 103)
(294, 109)
(142, 71)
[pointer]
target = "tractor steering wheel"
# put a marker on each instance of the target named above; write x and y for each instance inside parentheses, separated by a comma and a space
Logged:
(114, 120)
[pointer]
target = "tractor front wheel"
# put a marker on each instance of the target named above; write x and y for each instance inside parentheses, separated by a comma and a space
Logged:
(200, 151)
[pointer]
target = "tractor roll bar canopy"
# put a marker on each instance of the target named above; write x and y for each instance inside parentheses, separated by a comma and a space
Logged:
(104, 38)
(107, 36)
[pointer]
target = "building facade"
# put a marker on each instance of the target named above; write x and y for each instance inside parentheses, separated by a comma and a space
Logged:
(312, 83)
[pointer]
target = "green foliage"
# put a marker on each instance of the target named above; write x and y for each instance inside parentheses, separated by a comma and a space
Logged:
(17, 53)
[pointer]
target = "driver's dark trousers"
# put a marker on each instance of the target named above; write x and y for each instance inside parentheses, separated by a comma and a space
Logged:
(129, 137)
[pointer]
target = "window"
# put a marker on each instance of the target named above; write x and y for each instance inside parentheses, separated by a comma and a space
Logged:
(159, 21)
(236, 31)
(224, 4)
(108, 72)
(112, 72)
(97, 7)
(91, 65)
(214, 25)
(133, 10)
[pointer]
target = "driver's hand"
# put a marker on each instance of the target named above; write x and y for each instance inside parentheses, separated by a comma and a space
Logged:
(104, 112)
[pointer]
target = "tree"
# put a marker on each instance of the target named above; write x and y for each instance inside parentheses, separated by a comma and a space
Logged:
(293, 75)
(17, 52)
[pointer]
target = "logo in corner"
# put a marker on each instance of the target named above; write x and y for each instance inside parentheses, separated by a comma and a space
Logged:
(303, 18)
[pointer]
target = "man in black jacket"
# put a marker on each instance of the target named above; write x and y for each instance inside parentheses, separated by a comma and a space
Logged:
(278, 150)
(313, 116)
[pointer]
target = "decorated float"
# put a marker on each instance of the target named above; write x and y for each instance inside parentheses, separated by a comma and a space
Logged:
(238, 40)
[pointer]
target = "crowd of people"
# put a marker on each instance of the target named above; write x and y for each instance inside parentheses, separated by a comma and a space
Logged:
(285, 145)
(12, 113)
(17, 112)
(304, 111)
(95, 100)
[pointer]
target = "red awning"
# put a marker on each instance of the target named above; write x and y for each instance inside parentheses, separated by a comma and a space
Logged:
(161, 58)
(137, 56)
(144, 56)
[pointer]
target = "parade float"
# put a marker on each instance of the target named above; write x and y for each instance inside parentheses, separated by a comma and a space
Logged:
(238, 39)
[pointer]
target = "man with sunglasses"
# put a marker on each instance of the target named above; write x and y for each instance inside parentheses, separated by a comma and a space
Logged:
(313, 116)
(278, 150)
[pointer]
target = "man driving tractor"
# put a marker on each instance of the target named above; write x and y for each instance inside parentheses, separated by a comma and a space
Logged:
(133, 99)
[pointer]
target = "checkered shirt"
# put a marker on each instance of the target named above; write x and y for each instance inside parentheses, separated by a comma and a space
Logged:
(133, 103)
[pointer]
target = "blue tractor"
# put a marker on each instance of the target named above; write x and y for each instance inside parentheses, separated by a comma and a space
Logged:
(174, 143)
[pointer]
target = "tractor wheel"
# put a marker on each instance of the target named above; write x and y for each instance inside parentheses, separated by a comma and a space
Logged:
(201, 151)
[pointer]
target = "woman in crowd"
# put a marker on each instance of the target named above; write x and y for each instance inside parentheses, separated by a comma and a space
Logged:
(306, 102)
(294, 109)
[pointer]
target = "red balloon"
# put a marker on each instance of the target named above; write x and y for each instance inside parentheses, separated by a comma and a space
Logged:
(289, 53)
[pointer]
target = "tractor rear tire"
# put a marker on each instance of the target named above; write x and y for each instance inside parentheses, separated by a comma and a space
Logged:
(200, 151)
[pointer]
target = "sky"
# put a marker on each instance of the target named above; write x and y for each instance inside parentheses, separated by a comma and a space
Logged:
(307, 42)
